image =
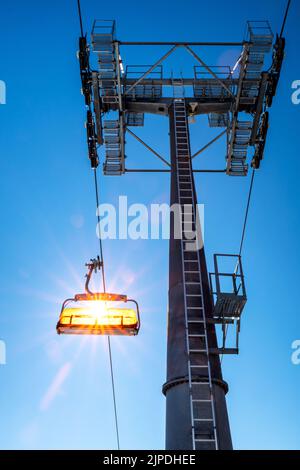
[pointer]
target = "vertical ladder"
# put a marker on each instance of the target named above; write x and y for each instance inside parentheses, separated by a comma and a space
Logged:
(178, 87)
(203, 421)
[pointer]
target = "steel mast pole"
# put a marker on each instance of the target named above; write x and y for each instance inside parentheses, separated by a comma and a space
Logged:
(182, 428)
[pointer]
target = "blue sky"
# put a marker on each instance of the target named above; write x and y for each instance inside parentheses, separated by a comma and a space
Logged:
(55, 391)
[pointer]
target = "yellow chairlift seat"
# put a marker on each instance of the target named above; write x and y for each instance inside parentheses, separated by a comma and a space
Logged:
(98, 313)
(95, 317)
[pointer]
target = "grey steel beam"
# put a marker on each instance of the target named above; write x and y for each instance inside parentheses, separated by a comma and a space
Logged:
(209, 171)
(161, 105)
(185, 81)
(142, 170)
(168, 81)
(179, 43)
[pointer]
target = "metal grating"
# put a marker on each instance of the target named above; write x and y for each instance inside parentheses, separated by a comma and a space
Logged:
(260, 37)
(218, 119)
(151, 91)
(206, 86)
(114, 164)
(103, 35)
(229, 297)
(135, 119)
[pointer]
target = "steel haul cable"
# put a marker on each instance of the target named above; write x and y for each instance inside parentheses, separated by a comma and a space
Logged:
(247, 212)
(102, 271)
(104, 290)
(243, 232)
(285, 17)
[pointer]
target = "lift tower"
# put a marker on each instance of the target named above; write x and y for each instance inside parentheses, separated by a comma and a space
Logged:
(237, 100)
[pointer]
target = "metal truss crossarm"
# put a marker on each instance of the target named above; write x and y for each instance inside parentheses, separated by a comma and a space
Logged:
(209, 143)
(209, 70)
(148, 147)
(158, 62)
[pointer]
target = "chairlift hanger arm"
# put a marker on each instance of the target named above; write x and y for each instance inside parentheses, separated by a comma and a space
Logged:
(92, 266)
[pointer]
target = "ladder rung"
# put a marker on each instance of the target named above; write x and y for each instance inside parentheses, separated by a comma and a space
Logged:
(200, 367)
(201, 401)
(199, 383)
(196, 336)
(206, 420)
(205, 440)
(198, 351)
